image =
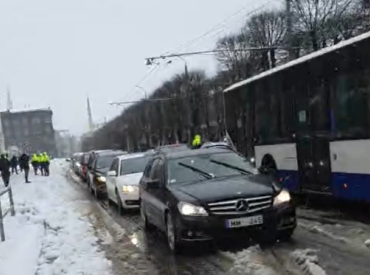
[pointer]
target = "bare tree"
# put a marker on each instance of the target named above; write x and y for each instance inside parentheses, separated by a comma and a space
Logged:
(266, 29)
(233, 56)
(311, 17)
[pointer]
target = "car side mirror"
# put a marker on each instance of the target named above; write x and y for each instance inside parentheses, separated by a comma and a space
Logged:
(112, 174)
(153, 184)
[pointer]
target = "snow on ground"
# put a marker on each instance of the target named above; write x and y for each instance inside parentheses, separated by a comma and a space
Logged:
(308, 261)
(347, 233)
(250, 261)
(367, 243)
(50, 233)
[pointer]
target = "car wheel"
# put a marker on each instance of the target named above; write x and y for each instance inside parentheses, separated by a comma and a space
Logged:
(119, 204)
(97, 194)
(147, 225)
(172, 241)
(286, 235)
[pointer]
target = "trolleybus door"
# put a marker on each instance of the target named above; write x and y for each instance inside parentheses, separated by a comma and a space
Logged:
(313, 164)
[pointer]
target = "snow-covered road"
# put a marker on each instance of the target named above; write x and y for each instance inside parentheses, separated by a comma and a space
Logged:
(60, 229)
(51, 232)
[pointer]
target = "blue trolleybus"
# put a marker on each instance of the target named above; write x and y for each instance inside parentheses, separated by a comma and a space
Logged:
(309, 120)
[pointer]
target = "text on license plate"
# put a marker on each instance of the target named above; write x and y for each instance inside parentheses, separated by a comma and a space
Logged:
(244, 222)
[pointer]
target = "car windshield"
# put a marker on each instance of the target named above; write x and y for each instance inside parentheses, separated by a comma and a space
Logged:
(134, 165)
(199, 167)
(105, 161)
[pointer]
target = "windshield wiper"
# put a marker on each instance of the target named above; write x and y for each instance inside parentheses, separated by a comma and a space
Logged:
(241, 170)
(200, 172)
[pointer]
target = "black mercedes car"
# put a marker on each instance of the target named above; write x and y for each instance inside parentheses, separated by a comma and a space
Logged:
(200, 195)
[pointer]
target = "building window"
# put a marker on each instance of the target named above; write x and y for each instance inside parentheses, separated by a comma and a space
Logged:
(26, 132)
(36, 120)
(25, 121)
(6, 122)
(47, 120)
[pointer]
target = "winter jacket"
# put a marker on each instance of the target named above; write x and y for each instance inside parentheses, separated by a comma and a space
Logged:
(24, 161)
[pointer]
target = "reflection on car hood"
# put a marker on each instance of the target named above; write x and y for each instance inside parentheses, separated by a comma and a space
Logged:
(102, 171)
(228, 188)
(131, 179)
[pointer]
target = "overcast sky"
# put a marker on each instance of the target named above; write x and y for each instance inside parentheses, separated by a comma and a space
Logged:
(53, 53)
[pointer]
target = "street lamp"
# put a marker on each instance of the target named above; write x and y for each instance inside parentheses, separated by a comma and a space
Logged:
(145, 92)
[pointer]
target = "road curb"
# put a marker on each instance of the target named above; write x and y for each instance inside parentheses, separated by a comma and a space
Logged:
(108, 220)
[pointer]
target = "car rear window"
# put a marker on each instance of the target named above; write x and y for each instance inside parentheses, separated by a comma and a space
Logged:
(134, 165)
(105, 161)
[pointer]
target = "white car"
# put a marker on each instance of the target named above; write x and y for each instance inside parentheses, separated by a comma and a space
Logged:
(123, 179)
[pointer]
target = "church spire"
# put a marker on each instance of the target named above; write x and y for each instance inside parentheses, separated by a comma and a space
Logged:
(89, 115)
(9, 102)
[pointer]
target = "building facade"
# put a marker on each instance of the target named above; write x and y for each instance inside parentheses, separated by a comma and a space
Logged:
(30, 130)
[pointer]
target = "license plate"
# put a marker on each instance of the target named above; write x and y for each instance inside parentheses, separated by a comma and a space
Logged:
(244, 222)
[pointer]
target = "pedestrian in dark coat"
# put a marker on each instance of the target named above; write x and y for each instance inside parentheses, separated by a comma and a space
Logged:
(24, 163)
(14, 164)
(5, 169)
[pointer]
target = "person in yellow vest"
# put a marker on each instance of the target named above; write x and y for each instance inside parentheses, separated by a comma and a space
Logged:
(46, 160)
(41, 163)
(35, 163)
(197, 142)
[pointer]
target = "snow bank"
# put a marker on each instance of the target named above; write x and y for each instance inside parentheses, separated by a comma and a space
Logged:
(249, 262)
(367, 243)
(307, 260)
(51, 232)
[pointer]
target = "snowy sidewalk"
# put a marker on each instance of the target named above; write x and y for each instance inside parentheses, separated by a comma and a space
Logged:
(51, 233)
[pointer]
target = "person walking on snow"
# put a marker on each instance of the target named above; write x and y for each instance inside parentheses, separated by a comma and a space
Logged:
(46, 160)
(5, 169)
(14, 164)
(41, 163)
(24, 163)
(35, 163)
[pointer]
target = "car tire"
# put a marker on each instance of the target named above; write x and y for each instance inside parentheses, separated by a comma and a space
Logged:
(119, 204)
(171, 235)
(147, 225)
(286, 235)
(97, 194)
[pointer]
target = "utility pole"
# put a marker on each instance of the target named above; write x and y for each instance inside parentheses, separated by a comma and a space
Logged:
(289, 24)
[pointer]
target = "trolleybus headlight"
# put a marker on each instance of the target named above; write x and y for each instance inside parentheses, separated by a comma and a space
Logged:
(283, 197)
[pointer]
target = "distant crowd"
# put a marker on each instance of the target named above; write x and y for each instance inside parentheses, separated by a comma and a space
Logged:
(9, 166)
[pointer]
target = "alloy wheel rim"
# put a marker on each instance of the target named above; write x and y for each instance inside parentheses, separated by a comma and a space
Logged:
(170, 233)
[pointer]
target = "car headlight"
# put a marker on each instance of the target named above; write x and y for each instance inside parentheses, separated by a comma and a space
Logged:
(102, 179)
(283, 197)
(189, 209)
(128, 189)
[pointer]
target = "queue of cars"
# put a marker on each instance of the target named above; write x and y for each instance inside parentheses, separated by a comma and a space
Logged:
(194, 195)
